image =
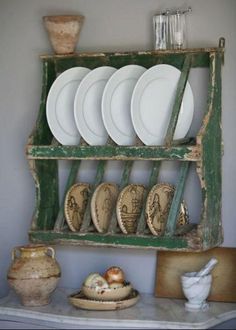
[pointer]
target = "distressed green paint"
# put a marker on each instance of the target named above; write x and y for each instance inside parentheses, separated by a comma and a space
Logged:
(98, 179)
(44, 173)
(112, 240)
(124, 181)
(178, 100)
(126, 174)
(117, 60)
(44, 157)
(112, 152)
(177, 199)
(174, 210)
(47, 200)
(211, 159)
(141, 226)
(42, 134)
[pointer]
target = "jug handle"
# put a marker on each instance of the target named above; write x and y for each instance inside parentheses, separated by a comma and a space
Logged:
(50, 249)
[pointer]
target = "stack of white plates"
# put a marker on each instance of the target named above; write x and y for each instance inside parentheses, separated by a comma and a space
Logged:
(119, 103)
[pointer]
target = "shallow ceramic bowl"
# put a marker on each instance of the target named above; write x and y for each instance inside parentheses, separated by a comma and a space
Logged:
(107, 294)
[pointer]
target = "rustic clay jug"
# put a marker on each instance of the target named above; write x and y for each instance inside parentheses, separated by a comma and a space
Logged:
(63, 32)
(34, 273)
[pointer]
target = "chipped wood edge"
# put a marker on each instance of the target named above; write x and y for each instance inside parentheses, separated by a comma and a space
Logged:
(134, 52)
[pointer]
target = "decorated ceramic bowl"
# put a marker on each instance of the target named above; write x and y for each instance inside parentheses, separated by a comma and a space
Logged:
(107, 294)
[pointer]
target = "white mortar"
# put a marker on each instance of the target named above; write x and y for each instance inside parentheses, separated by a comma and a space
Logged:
(196, 289)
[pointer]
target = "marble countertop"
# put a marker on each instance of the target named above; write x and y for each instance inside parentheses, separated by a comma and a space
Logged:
(148, 313)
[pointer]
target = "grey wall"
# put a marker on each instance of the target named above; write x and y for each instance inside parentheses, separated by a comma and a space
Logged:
(109, 25)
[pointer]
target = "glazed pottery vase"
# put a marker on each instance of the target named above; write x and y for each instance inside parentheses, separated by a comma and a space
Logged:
(34, 273)
(63, 32)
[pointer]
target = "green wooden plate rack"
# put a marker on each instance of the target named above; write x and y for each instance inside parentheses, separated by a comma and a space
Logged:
(204, 150)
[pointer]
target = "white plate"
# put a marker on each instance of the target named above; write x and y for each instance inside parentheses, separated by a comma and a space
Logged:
(152, 101)
(87, 106)
(116, 104)
(60, 105)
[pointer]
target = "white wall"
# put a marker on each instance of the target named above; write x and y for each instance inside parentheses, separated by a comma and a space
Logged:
(109, 25)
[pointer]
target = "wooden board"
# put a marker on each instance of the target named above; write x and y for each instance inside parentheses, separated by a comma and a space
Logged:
(170, 266)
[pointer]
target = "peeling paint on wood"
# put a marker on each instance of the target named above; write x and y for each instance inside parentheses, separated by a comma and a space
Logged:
(209, 168)
(185, 152)
(119, 240)
(205, 150)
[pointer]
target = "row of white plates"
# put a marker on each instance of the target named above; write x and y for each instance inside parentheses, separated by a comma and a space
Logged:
(120, 103)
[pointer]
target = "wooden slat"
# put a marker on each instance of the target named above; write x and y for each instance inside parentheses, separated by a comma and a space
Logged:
(119, 59)
(141, 226)
(98, 179)
(70, 181)
(183, 152)
(124, 181)
(112, 240)
(177, 199)
(178, 100)
(126, 174)
(136, 52)
(60, 220)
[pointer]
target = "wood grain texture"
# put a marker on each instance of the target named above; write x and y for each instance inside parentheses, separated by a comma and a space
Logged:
(170, 266)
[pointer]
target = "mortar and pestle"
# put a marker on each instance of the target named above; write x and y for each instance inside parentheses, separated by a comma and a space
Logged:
(196, 287)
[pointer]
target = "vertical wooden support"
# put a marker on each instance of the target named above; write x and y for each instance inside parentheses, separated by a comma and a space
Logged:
(45, 172)
(209, 168)
(47, 204)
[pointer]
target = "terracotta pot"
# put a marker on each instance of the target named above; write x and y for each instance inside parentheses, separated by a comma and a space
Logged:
(63, 31)
(34, 273)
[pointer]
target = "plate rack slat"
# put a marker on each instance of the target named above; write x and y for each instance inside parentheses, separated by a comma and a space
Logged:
(178, 100)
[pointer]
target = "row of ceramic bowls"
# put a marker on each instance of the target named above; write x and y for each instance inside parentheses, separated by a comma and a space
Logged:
(120, 103)
(127, 203)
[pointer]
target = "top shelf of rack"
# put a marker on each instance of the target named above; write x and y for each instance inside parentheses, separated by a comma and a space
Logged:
(220, 48)
(199, 57)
